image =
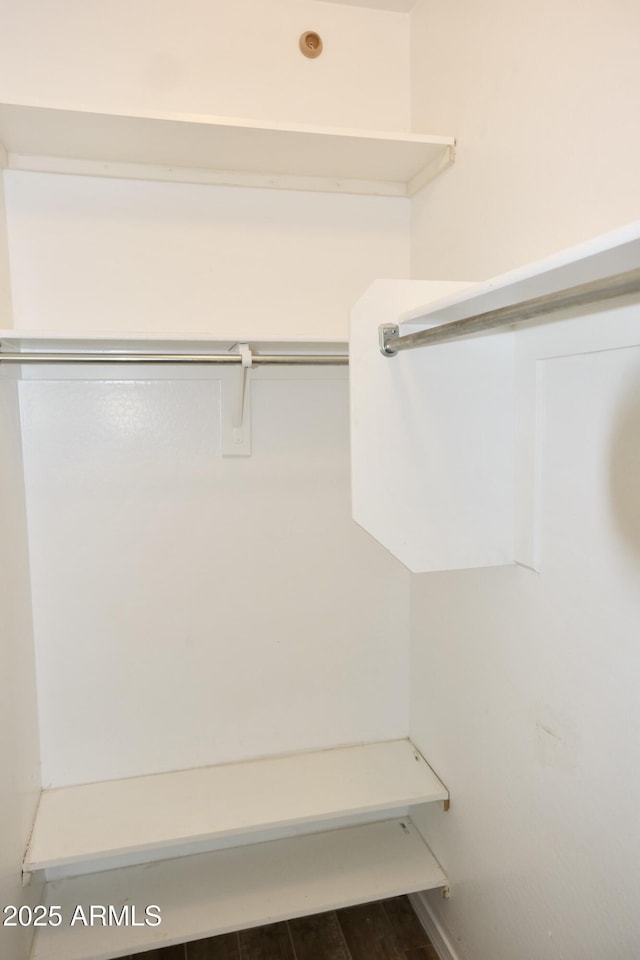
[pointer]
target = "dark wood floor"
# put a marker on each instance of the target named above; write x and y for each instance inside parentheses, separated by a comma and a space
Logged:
(386, 930)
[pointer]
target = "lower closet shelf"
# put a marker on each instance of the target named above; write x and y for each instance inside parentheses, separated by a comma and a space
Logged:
(213, 893)
(100, 825)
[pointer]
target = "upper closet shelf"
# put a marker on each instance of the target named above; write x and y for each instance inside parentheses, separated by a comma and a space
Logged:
(596, 260)
(220, 150)
(447, 442)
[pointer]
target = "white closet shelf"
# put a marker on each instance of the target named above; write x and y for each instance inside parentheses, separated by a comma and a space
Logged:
(98, 822)
(597, 259)
(222, 150)
(486, 474)
(215, 893)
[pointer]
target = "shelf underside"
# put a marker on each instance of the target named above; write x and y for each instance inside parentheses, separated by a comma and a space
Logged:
(219, 150)
(215, 893)
(100, 822)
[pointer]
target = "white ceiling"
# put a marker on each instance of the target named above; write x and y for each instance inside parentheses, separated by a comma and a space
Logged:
(398, 6)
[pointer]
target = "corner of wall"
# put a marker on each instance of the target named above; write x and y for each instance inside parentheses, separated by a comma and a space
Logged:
(19, 740)
(425, 906)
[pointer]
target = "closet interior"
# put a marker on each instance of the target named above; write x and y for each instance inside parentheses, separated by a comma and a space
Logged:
(221, 695)
(213, 658)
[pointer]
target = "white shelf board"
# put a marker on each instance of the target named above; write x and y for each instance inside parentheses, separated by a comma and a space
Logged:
(215, 893)
(99, 821)
(431, 433)
(451, 434)
(596, 259)
(205, 149)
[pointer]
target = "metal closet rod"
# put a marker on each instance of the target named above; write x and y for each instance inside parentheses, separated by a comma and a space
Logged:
(257, 359)
(617, 285)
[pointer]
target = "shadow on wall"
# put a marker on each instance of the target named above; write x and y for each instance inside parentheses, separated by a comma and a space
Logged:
(624, 468)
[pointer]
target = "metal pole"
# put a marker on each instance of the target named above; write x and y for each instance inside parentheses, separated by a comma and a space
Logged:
(283, 359)
(618, 285)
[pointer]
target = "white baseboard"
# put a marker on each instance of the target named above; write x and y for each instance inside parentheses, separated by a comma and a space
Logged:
(434, 929)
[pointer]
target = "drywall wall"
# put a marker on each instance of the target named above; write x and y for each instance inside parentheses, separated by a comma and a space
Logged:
(542, 99)
(524, 685)
(192, 609)
(20, 778)
(91, 255)
(237, 58)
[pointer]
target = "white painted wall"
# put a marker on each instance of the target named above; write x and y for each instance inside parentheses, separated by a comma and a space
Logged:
(236, 58)
(524, 686)
(19, 747)
(20, 778)
(542, 99)
(225, 563)
(91, 255)
(191, 609)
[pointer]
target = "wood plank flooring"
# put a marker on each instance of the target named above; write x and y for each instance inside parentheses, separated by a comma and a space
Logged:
(385, 930)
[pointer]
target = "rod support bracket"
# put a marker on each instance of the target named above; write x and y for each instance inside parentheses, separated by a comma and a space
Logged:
(247, 362)
(387, 332)
(236, 405)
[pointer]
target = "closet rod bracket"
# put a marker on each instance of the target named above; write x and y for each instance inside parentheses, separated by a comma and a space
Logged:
(236, 402)
(247, 362)
(387, 332)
